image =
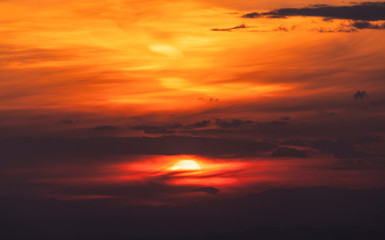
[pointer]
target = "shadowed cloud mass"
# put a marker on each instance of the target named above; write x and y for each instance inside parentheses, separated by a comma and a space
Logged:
(289, 152)
(367, 11)
(229, 29)
(360, 95)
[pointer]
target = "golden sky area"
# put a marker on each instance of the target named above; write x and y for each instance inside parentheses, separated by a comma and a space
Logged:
(146, 56)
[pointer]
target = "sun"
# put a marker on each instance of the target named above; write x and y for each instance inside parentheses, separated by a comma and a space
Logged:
(185, 165)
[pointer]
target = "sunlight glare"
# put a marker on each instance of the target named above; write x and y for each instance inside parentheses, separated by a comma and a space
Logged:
(184, 165)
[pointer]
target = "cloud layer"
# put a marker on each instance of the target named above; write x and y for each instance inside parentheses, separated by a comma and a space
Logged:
(368, 11)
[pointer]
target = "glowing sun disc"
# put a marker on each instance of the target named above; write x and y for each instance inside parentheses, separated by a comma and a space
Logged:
(185, 165)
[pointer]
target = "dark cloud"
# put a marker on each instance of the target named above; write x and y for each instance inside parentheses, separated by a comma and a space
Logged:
(370, 139)
(347, 122)
(248, 124)
(170, 129)
(360, 95)
(367, 25)
(358, 164)
(297, 142)
(280, 28)
(335, 30)
(166, 145)
(285, 118)
(238, 127)
(229, 29)
(208, 99)
(327, 19)
(234, 123)
(289, 152)
(200, 124)
(105, 128)
(368, 11)
(270, 125)
(341, 148)
(131, 191)
(151, 129)
(209, 190)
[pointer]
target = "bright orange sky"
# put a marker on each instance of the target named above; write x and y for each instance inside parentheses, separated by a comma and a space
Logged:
(146, 56)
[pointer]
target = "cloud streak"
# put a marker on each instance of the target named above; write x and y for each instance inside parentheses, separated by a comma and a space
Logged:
(229, 29)
(368, 11)
(168, 145)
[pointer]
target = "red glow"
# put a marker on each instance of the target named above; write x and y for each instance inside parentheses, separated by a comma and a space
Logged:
(231, 176)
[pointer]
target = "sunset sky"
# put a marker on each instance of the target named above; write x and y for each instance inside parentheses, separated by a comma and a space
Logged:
(101, 100)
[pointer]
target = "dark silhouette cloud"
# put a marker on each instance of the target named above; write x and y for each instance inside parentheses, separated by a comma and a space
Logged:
(335, 30)
(368, 11)
(229, 29)
(170, 129)
(367, 25)
(364, 164)
(243, 124)
(200, 124)
(235, 123)
(280, 28)
(208, 99)
(105, 128)
(273, 123)
(218, 123)
(296, 142)
(247, 128)
(167, 145)
(285, 118)
(209, 190)
(360, 95)
(151, 129)
(289, 152)
(340, 148)
(370, 139)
